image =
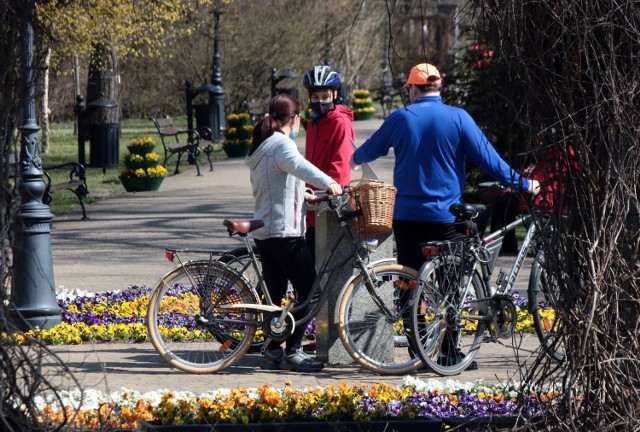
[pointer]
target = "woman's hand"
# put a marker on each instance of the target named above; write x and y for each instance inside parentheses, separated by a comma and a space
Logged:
(335, 189)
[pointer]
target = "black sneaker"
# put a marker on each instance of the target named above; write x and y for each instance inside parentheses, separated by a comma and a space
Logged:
(301, 362)
(447, 360)
(272, 359)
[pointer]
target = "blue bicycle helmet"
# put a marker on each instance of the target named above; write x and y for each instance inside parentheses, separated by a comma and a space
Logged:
(321, 76)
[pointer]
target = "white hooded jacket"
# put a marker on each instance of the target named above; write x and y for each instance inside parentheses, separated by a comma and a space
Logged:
(278, 176)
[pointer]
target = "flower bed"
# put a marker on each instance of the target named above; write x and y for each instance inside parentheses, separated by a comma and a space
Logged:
(432, 400)
(120, 316)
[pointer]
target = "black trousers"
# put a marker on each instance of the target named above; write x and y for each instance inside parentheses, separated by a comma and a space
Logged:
(288, 260)
(409, 236)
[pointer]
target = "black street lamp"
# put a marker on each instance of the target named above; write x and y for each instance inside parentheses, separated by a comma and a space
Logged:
(216, 94)
(33, 297)
(210, 117)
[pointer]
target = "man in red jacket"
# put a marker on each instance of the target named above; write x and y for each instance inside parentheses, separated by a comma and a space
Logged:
(330, 137)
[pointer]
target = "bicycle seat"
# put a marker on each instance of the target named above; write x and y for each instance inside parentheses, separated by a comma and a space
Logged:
(466, 211)
(243, 226)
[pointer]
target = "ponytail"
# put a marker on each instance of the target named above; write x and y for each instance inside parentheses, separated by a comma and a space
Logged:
(282, 107)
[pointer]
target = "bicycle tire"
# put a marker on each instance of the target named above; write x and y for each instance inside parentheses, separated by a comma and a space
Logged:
(183, 317)
(543, 302)
(434, 322)
(369, 337)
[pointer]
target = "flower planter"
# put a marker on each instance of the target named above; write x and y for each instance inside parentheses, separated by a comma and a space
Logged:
(238, 120)
(465, 424)
(236, 150)
(153, 183)
(141, 184)
(363, 108)
(141, 149)
(360, 115)
(423, 425)
(244, 133)
(134, 165)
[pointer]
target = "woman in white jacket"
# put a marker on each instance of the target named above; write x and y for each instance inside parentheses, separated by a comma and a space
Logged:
(278, 176)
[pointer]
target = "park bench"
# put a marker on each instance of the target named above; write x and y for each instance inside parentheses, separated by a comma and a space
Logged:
(77, 182)
(180, 142)
(255, 110)
(387, 96)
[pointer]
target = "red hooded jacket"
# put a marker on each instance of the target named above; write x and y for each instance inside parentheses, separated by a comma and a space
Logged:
(329, 146)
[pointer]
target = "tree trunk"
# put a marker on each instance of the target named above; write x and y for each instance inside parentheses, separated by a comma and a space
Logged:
(103, 82)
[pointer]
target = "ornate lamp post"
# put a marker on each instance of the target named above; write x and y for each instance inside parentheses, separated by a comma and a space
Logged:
(33, 296)
(216, 95)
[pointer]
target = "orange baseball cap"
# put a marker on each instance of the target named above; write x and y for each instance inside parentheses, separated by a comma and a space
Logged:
(423, 74)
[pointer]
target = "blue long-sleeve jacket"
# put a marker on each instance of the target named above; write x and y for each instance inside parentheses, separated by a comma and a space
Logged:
(431, 142)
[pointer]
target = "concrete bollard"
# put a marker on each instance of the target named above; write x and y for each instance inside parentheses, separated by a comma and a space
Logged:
(329, 348)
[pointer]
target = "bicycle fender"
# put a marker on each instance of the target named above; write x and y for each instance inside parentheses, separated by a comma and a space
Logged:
(266, 308)
(164, 276)
(384, 261)
(424, 270)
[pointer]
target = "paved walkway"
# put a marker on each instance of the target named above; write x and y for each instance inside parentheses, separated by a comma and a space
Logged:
(123, 243)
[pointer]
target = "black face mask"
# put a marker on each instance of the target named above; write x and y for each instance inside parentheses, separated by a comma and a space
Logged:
(321, 109)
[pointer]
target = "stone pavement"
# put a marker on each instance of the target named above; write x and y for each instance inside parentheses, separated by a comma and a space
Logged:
(123, 243)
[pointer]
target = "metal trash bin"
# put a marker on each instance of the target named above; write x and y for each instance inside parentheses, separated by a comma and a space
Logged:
(104, 138)
(205, 120)
(104, 145)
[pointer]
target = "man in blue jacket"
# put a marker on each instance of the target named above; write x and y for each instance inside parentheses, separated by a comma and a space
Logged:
(431, 142)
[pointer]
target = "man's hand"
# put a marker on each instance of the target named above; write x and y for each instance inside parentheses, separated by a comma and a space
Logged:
(534, 187)
(353, 164)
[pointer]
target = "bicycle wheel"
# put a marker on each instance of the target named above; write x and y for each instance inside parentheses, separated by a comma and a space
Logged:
(374, 334)
(187, 325)
(442, 332)
(543, 302)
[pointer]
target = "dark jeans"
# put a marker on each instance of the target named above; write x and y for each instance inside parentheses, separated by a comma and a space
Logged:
(409, 236)
(288, 260)
(311, 241)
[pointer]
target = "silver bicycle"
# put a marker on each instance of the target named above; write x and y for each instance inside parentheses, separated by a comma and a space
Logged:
(456, 306)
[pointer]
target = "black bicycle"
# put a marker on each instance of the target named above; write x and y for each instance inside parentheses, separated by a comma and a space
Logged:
(220, 312)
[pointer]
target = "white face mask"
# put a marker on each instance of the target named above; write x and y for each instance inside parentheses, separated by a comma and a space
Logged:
(294, 133)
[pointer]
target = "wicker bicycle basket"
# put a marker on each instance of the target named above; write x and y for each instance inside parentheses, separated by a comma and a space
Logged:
(376, 200)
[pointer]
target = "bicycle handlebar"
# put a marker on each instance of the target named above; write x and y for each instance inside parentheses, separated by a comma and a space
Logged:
(326, 195)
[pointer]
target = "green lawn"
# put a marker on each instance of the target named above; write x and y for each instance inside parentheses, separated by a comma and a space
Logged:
(102, 183)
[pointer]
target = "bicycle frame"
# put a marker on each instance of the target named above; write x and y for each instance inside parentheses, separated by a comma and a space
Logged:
(325, 269)
(493, 242)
